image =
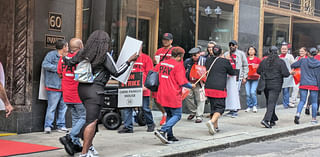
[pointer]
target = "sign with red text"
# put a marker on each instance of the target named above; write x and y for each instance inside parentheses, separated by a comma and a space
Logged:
(131, 93)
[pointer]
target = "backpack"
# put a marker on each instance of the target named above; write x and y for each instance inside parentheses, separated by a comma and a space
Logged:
(83, 72)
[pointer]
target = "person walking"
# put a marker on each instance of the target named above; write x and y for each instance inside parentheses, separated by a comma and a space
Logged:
(171, 80)
(309, 82)
(272, 70)
(195, 102)
(215, 87)
(295, 91)
(53, 87)
(96, 52)
(162, 54)
(239, 62)
(143, 64)
(71, 98)
(287, 82)
(252, 80)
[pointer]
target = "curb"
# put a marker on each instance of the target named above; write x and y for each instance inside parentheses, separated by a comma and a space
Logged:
(260, 138)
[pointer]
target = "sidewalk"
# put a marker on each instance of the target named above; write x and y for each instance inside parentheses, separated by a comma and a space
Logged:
(194, 137)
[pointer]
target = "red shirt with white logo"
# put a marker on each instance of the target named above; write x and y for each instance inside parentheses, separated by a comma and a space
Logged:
(254, 63)
(171, 78)
(233, 64)
(143, 64)
(68, 85)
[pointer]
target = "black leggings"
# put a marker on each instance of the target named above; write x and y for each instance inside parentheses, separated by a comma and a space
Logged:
(92, 97)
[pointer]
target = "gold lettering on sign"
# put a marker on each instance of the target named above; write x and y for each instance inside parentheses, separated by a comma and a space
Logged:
(307, 7)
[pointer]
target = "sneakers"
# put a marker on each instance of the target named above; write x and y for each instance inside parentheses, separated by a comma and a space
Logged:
(296, 120)
(190, 117)
(248, 109)
(163, 120)
(172, 139)
(67, 143)
(314, 122)
(307, 111)
(209, 124)
(217, 130)
(125, 130)
(151, 128)
(93, 152)
(254, 109)
(234, 115)
(198, 119)
(162, 136)
(292, 105)
(63, 130)
(229, 114)
(47, 130)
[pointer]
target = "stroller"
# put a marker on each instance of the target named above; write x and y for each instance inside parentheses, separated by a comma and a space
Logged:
(110, 114)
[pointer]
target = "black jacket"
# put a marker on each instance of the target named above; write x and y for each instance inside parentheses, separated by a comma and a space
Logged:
(217, 78)
(106, 69)
(273, 74)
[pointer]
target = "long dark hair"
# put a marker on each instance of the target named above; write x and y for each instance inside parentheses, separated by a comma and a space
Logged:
(96, 47)
(273, 55)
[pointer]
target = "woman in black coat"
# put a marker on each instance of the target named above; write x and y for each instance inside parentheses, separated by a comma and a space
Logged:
(95, 51)
(272, 70)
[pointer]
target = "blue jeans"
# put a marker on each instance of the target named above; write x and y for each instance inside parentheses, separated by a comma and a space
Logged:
(251, 88)
(146, 111)
(173, 116)
(285, 97)
(303, 98)
(78, 112)
(55, 101)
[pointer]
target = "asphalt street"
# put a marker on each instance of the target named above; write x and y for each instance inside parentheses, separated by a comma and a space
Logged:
(301, 145)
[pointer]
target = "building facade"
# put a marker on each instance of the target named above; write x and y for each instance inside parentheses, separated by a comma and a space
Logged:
(29, 29)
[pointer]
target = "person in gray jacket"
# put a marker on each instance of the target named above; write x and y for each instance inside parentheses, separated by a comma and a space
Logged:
(239, 62)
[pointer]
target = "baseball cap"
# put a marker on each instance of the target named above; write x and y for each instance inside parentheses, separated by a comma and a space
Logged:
(233, 42)
(178, 49)
(195, 50)
(313, 51)
(167, 36)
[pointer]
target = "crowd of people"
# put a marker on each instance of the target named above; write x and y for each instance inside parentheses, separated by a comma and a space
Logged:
(218, 84)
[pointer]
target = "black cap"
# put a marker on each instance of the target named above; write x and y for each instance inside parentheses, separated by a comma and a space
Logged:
(167, 36)
(233, 42)
(195, 50)
(313, 51)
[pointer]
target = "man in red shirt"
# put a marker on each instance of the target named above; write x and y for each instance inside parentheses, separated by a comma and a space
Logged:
(71, 98)
(143, 64)
(162, 54)
(171, 79)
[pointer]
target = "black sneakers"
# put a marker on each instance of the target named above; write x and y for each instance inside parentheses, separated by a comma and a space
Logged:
(151, 128)
(173, 139)
(296, 120)
(125, 130)
(162, 136)
(68, 145)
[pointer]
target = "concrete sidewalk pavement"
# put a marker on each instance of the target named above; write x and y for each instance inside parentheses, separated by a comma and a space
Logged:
(194, 137)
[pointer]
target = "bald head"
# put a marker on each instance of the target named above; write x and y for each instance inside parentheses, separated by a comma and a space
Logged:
(75, 44)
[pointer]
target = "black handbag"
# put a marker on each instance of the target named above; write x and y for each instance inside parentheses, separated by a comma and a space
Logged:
(261, 84)
(152, 81)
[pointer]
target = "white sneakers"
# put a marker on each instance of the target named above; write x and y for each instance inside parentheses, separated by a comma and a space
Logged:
(210, 126)
(63, 130)
(92, 152)
(47, 130)
(254, 109)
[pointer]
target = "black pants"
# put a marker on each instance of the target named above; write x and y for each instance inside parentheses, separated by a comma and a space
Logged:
(272, 96)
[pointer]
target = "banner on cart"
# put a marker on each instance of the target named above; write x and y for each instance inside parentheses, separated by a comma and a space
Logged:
(131, 93)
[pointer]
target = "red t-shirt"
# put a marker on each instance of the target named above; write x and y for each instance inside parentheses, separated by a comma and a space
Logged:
(68, 85)
(162, 51)
(214, 93)
(254, 63)
(309, 87)
(282, 55)
(317, 57)
(233, 64)
(143, 64)
(171, 78)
